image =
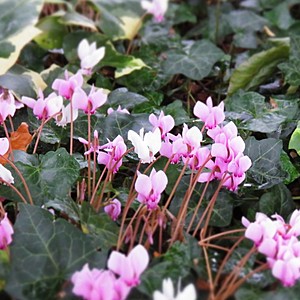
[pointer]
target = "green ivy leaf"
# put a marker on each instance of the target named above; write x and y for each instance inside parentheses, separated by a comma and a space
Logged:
(266, 168)
(295, 139)
(45, 253)
(279, 200)
(194, 61)
(257, 68)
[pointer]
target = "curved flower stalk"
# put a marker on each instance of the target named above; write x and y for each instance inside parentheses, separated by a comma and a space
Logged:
(145, 146)
(149, 188)
(157, 8)
(168, 293)
(278, 241)
(8, 104)
(6, 232)
(115, 283)
(89, 56)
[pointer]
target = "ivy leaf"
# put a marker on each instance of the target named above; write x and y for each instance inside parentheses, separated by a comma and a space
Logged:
(48, 177)
(194, 61)
(266, 168)
(257, 68)
(295, 139)
(278, 200)
(45, 253)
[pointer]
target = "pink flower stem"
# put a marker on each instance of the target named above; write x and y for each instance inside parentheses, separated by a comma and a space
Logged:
(15, 189)
(71, 128)
(6, 131)
(89, 156)
(144, 227)
(209, 209)
(209, 273)
(11, 123)
(100, 198)
(21, 177)
(97, 186)
(136, 227)
(231, 278)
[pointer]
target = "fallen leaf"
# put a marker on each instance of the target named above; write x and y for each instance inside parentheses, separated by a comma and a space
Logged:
(20, 139)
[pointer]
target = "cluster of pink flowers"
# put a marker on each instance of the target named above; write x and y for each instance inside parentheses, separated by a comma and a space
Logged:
(279, 242)
(115, 283)
(224, 160)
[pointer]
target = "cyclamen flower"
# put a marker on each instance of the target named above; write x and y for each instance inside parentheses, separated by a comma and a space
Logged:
(66, 87)
(8, 104)
(164, 123)
(44, 108)
(5, 174)
(94, 146)
(188, 293)
(6, 232)
(93, 284)
(113, 209)
(146, 146)
(115, 151)
(88, 103)
(65, 117)
(211, 116)
(279, 242)
(149, 188)
(119, 109)
(157, 8)
(130, 267)
(89, 55)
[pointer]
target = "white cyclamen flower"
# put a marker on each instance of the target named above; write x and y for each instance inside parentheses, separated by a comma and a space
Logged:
(89, 55)
(145, 146)
(188, 293)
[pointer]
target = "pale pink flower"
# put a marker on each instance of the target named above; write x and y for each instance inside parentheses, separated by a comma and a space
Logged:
(89, 55)
(94, 146)
(8, 104)
(112, 158)
(146, 146)
(6, 232)
(119, 109)
(66, 87)
(164, 123)
(157, 8)
(168, 293)
(94, 284)
(65, 117)
(130, 267)
(88, 103)
(211, 116)
(113, 209)
(192, 137)
(44, 108)
(149, 188)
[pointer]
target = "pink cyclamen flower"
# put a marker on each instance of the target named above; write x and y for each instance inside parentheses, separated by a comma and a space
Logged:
(112, 157)
(65, 117)
(5, 174)
(44, 108)
(149, 188)
(211, 116)
(146, 146)
(130, 267)
(113, 209)
(279, 242)
(164, 123)
(94, 284)
(94, 146)
(8, 104)
(157, 8)
(88, 103)
(6, 232)
(89, 55)
(119, 109)
(66, 87)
